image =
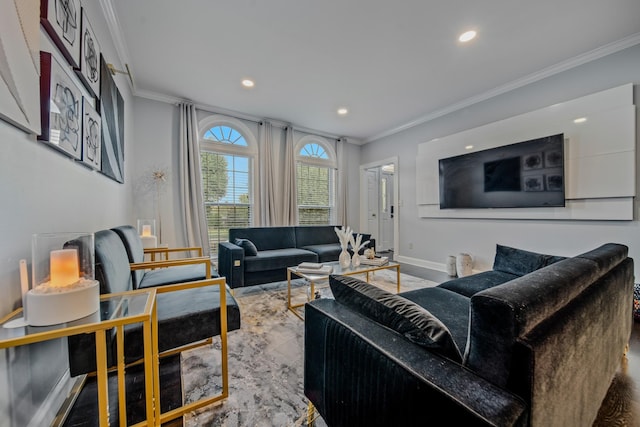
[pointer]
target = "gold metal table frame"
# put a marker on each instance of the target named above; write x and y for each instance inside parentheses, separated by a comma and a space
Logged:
(337, 269)
(116, 311)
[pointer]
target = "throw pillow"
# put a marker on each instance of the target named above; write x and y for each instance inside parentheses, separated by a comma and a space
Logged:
(248, 246)
(521, 262)
(395, 312)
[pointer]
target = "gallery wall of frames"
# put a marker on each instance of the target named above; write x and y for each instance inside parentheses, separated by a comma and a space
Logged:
(85, 123)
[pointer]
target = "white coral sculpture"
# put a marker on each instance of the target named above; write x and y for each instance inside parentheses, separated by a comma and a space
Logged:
(356, 245)
(344, 235)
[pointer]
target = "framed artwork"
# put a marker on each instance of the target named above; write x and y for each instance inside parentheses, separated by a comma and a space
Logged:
(533, 183)
(554, 182)
(553, 159)
(532, 161)
(91, 135)
(60, 106)
(61, 20)
(89, 59)
(20, 64)
(112, 114)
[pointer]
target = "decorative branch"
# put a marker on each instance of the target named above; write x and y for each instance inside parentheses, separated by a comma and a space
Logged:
(345, 234)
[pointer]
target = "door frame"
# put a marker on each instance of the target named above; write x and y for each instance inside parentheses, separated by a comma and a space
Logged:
(364, 198)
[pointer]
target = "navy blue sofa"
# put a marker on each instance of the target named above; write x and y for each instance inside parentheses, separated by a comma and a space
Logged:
(538, 338)
(266, 252)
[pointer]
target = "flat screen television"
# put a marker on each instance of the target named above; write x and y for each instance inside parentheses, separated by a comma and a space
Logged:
(526, 174)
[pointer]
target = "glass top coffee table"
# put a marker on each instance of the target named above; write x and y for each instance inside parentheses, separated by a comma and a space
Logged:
(313, 278)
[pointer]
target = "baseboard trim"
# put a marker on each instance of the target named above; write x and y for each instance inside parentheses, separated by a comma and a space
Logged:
(48, 413)
(421, 263)
(427, 264)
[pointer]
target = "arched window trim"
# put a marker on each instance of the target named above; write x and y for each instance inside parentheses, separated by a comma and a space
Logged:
(331, 162)
(251, 149)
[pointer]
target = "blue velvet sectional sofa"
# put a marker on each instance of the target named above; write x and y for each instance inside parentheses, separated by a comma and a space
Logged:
(257, 255)
(534, 342)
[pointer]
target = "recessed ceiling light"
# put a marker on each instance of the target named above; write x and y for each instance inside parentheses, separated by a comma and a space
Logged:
(342, 111)
(248, 83)
(580, 120)
(467, 36)
(468, 147)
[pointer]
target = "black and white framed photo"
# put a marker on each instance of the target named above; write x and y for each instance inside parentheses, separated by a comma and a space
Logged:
(89, 59)
(20, 65)
(553, 159)
(91, 135)
(60, 107)
(61, 20)
(532, 161)
(533, 183)
(112, 114)
(555, 182)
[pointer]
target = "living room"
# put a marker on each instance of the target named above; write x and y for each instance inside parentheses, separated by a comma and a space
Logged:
(44, 191)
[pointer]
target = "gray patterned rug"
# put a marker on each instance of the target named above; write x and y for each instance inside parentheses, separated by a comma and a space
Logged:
(265, 359)
(266, 364)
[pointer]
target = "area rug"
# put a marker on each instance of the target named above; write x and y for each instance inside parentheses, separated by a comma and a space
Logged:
(265, 358)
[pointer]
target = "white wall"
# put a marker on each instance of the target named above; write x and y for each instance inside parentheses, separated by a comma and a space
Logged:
(427, 241)
(42, 191)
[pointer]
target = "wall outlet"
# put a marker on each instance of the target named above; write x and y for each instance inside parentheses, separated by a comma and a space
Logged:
(410, 245)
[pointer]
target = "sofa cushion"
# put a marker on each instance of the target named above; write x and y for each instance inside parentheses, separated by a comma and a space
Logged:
(521, 262)
(315, 235)
(266, 238)
(248, 246)
(450, 307)
(326, 253)
(397, 313)
(278, 259)
(475, 283)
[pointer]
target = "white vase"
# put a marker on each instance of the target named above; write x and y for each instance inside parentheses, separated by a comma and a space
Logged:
(464, 265)
(355, 260)
(451, 266)
(345, 258)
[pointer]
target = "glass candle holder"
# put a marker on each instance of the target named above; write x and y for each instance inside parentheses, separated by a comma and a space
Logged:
(147, 233)
(63, 279)
(147, 227)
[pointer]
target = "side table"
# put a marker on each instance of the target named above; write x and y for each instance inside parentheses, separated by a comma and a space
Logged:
(116, 311)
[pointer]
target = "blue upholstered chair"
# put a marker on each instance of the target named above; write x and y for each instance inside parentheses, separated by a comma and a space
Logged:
(157, 273)
(190, 309)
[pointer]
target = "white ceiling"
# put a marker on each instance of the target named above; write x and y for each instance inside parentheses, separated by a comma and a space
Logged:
(391, 63)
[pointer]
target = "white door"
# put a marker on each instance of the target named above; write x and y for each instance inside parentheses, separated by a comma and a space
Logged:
(386, 211)
(373, 201)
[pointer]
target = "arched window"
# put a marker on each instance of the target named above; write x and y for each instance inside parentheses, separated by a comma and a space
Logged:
(316, 182)
(227, 155)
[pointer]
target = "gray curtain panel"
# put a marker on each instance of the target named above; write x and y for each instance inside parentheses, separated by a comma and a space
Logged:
(191, 196)
(267, 211)
(290, 193)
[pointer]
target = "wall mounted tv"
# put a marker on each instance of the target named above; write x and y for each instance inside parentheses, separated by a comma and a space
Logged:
(526, 174)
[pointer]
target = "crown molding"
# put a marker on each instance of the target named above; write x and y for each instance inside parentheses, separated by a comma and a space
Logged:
(168, 99)
(584, 58)
(116, 35)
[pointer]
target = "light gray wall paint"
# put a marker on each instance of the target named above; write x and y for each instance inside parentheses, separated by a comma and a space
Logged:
(157, 144)
(43, 191)
(433, 239)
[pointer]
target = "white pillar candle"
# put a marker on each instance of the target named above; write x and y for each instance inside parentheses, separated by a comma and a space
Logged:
(146, 230)
(64, 267)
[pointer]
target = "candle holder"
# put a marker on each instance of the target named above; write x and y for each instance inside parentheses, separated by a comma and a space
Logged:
(63, 282)
(147, 233)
